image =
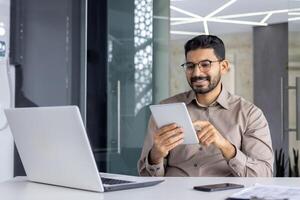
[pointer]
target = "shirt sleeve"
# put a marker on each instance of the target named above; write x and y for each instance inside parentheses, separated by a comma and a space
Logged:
(144, 167)
(255, 158)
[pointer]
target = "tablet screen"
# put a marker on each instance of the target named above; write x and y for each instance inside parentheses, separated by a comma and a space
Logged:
(165, 114)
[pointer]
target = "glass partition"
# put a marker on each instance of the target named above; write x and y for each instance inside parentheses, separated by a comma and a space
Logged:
(131, 37)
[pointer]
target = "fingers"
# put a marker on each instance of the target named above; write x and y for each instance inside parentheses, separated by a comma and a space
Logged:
(200, 124)
(167, 128)
(172, 139)
(161, 138)
(175, 144)
(203, 134)
(207, 135)
(167, 138)
(209, 140)
(171, 133)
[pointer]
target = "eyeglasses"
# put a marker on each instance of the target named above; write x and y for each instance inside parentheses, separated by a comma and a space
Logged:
(204, 65)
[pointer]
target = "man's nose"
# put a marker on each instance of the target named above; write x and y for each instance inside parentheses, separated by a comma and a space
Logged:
(197, 71)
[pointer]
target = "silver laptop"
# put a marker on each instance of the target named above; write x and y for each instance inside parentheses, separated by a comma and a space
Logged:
(54, 149)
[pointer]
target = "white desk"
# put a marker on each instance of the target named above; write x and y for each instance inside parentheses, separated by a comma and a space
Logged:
(173, 188)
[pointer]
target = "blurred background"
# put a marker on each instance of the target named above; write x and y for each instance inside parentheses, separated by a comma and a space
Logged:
(113, 58)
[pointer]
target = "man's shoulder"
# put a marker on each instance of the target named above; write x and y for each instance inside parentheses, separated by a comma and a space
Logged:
(242, 104)
(181, 97)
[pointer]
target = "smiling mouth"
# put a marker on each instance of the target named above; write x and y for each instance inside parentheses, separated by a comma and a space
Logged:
(200, 82)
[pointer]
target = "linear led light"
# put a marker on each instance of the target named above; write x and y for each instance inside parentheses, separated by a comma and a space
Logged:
(220, 9)
(243, 14)
(266, 18)
(251, 14)
(160, 17)
(186, 12)
(205, 27)
(186, 33)
(294, 13)
(181, 18)
(228, 18)
(293, 19)
(237, 22)
(222, 21)
(186, 22)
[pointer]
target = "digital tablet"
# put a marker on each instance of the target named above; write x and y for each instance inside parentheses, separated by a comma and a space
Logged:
(165, 114)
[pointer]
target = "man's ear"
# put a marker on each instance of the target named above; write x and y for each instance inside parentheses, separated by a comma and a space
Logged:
(224, 66)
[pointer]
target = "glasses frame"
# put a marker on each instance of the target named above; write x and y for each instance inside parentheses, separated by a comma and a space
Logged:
(201, 68)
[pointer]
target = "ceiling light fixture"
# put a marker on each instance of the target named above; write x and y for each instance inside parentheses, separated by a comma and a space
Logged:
(186, 33)
(181, 18)
(237, 22)
(266, 18)
(294, 13)
(213, 19)
(194, 18)
(205, 27)
(294, 19)
(252, 14)
(186, 22)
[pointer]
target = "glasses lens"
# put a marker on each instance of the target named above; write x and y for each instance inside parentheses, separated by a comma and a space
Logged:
(189, 66)
(205, 64)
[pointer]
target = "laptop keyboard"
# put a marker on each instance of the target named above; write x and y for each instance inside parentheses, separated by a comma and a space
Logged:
(110, 181)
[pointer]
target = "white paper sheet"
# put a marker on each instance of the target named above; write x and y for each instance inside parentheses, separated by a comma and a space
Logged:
(267, 192)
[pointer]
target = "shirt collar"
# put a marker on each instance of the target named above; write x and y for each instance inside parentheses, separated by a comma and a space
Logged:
(222, 100)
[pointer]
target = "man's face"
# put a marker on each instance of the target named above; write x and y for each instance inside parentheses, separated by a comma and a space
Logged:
(203, 80)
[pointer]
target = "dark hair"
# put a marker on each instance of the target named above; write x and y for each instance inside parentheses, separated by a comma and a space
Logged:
(206, 42)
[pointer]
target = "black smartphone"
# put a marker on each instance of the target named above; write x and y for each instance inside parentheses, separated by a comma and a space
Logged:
(217, 187)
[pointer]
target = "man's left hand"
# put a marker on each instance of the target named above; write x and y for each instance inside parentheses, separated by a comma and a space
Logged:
(210, 135)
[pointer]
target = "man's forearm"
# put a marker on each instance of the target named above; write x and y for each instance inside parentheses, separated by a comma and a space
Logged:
(228, 150)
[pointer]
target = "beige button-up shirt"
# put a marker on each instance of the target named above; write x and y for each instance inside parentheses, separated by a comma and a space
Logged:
(238, 120)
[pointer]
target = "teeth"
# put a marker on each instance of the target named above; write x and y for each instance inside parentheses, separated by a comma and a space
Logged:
(200, 81)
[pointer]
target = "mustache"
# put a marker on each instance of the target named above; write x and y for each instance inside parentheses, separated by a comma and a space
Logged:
(196, 78)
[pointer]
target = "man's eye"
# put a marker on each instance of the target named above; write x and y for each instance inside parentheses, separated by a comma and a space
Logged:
(190, 65)
(205, 64)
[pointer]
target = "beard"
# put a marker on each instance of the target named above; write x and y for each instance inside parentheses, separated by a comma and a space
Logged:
(213, 82)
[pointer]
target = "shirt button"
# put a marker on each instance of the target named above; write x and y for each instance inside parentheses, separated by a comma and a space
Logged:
(200, 148)
(234, 165)
(195, 165)
(151, 169)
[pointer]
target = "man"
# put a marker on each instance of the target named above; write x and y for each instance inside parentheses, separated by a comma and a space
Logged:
(234, 134)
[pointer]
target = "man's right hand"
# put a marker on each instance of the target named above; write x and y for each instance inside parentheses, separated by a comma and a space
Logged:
(165, 139)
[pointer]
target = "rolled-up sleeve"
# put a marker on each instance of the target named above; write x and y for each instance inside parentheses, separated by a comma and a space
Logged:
(144, 167)
(255, 158)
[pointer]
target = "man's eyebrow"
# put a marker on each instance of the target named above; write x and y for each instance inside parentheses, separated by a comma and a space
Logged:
(198, 61)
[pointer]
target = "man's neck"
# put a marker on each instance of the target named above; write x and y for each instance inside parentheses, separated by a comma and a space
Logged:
(208, 98)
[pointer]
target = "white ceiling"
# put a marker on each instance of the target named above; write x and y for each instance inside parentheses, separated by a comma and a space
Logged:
(202, 8)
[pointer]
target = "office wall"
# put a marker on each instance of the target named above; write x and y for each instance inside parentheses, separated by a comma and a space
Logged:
(46, 44)
(294, 71)
(6, 93)
(271, 80)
